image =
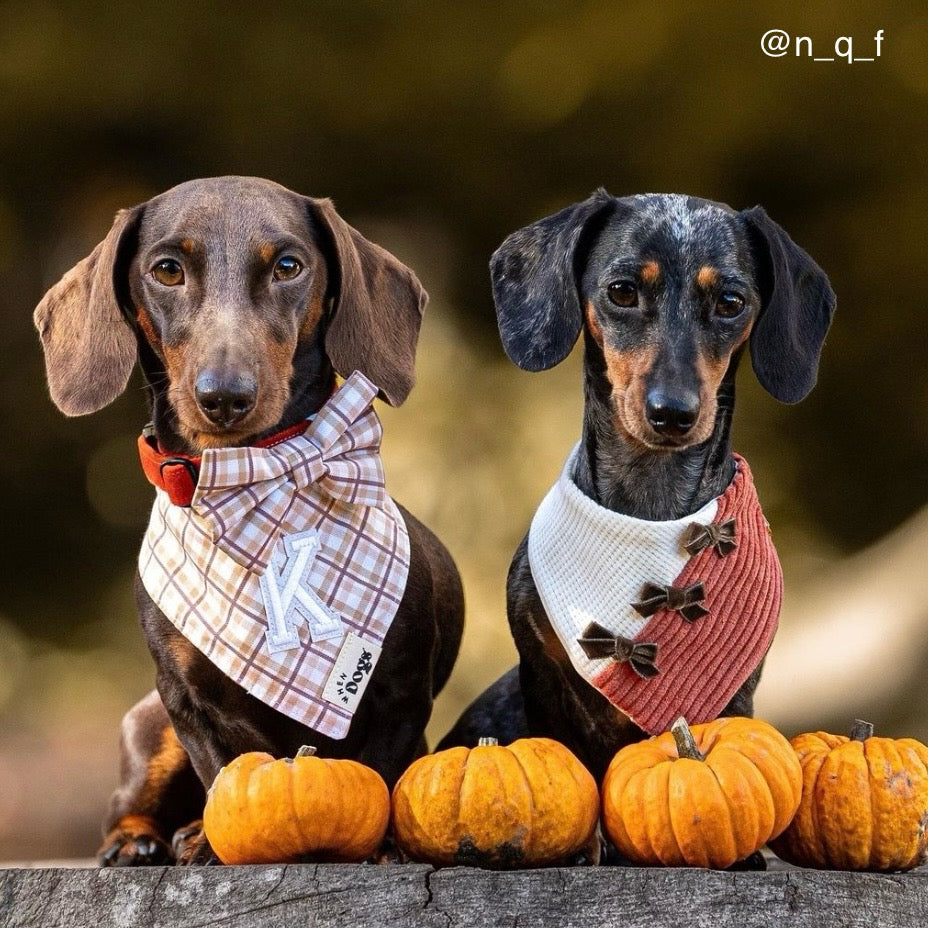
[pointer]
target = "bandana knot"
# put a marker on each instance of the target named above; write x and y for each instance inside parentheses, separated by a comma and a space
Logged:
(244, 495)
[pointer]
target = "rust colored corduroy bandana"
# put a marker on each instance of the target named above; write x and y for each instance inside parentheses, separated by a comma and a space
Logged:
(663, 618)
(288, 566)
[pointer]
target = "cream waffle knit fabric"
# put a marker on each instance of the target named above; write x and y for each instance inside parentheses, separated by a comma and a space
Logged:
(590, 563)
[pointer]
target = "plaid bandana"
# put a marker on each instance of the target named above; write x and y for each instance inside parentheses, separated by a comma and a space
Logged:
(289, 565)
(664, 618)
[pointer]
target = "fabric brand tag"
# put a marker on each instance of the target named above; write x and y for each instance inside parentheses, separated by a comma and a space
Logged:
(352, 672)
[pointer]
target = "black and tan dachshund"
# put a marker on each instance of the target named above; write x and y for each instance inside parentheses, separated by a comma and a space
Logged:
(241, 300)
(668, 290)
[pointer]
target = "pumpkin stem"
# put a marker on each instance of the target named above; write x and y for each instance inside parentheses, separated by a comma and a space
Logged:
(862, 730)
(686, 743)
(306, 751)
(487, 742)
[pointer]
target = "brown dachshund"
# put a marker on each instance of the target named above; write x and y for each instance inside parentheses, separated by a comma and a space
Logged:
(668, 292)
(241, 300)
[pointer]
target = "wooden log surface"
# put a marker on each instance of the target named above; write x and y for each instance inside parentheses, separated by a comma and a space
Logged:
(350, 896)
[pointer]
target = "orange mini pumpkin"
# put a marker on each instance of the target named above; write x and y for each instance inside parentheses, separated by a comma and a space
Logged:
(261, 810)
(526, 805)
(702, 798)
(864, 803)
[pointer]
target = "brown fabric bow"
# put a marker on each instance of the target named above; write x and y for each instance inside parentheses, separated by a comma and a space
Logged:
(720, 536)
(685, 600)
(600, 642)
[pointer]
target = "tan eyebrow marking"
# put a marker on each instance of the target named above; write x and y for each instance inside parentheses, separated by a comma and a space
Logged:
(707, 277)
(650, 271)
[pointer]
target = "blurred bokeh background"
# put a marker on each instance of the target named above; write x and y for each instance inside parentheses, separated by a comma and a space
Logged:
(439, 127)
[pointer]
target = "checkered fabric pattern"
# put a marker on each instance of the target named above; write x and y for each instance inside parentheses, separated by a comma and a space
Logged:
(591, 565)
(202, 564)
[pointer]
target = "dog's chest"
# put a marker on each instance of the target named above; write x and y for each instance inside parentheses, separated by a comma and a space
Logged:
(288, 567)
(659, 629)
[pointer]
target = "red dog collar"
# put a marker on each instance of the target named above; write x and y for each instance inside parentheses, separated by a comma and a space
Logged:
(177, 474)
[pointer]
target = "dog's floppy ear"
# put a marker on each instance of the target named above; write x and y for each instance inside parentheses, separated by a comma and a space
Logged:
(797, 304)
(378, 309)
(89, 347)
(535, 285)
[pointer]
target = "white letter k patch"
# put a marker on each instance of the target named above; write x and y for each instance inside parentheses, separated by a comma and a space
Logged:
(288, 598)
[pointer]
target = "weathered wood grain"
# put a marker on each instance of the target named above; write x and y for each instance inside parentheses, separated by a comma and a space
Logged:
(351, 896)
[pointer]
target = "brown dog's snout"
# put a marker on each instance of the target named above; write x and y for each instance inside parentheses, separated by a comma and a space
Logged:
(225, 397)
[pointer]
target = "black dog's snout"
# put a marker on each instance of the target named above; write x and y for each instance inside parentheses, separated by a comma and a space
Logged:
(225, 398)
(672, 415)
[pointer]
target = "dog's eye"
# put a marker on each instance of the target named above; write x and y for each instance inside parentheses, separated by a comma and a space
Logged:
(287, 268)
(729, 304)
(168, 272)
(623, 293)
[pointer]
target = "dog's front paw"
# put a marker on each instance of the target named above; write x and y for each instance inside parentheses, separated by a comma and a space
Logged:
(755, 861)
(191, 847)
(592, 854)
(388, 853)
(134, 842)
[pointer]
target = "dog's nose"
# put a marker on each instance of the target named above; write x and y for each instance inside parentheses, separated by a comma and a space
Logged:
(225, 398)
(672, 415)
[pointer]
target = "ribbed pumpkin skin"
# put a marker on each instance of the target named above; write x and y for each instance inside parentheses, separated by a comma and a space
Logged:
(659, 808)
(529, 804)
(864, 804)
(261, 810)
